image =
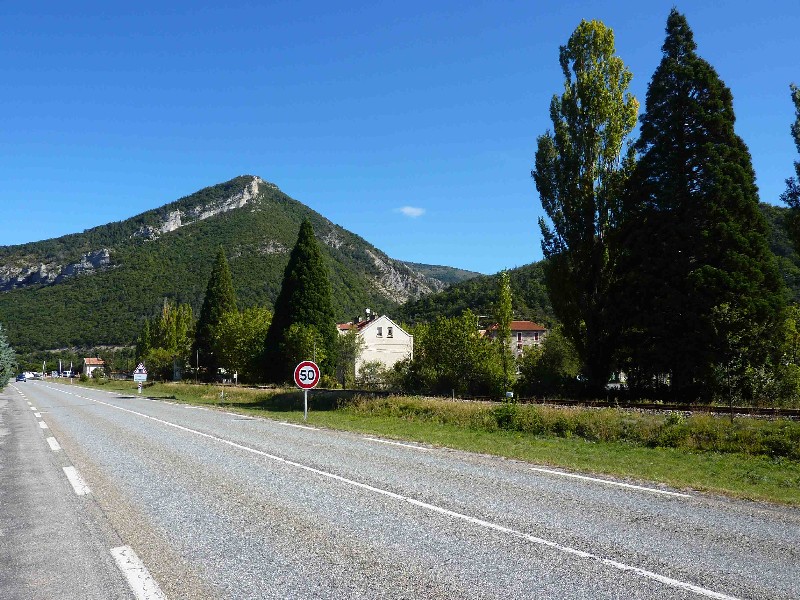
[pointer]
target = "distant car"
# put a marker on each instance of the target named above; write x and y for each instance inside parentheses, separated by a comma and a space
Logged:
(21, 377)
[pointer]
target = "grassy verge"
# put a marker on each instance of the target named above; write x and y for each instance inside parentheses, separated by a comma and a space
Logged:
(748, 458)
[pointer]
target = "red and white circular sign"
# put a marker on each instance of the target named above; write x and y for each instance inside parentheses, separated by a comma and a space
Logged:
(306, 375)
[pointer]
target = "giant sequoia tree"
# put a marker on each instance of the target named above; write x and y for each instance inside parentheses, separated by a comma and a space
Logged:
(580, 174)
(697, 270)
(219, 299)
(304, 300)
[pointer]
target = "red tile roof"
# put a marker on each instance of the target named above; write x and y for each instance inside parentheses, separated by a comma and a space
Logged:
(521, 326)
(94, 361)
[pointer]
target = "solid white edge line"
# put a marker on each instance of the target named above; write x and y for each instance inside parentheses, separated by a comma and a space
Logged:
(54, 445)
(142, 584)
(78, 484)
(676, 583)
(610, 482)
(393, 443)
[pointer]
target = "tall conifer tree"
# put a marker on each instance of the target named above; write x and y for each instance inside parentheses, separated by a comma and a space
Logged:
(219, 299)
(580, 173)
(304, 299)
(695, 241)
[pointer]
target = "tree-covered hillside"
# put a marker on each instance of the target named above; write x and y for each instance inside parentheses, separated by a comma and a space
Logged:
(479, 294)
(107, 306)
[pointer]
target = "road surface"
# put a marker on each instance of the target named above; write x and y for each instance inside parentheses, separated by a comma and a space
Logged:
(105, 495)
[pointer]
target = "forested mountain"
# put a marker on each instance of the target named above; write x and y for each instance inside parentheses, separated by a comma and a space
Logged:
(95, 288)
(479, 294)
(530, 300)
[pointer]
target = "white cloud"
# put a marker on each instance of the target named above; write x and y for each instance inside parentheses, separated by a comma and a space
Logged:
(411, 211)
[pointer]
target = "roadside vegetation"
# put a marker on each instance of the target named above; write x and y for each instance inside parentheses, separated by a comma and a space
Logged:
(756, 459)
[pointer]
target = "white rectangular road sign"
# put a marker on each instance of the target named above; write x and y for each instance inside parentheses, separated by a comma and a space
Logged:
(140, 376)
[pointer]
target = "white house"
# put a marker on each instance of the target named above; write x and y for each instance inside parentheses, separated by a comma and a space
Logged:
(90, 364)
(384, 341)
(524, 334)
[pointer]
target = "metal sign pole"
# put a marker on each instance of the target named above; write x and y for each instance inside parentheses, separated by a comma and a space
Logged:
(305, 409)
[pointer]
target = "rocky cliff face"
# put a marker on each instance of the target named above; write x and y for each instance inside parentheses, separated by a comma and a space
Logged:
(178, 218)
(21, 275)
(400, 283)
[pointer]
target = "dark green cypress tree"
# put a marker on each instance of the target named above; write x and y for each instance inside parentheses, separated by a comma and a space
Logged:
(220, 298)
(304, 299)
(697, 270)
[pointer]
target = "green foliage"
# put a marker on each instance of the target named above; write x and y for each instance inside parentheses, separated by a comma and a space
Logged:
(372, 375)
(580, 173)
(696, 273)
(220, 298)
(238, 340)
(8, 359)
(304, 299)
(450, 357)
(792, 194)
(549, 370)
(166, 342)
(302, 342)
(349, 348)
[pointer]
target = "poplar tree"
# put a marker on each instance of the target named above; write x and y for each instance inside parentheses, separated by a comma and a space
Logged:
(219, 299)
(504, 315)
(580, 173)
(697, 271)
(304, 299)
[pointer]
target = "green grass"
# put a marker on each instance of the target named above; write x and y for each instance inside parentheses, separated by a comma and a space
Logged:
(747, 458)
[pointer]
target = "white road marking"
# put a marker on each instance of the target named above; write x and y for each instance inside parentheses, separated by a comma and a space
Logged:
(33, 407)
(675, 583)
(54, 445)
(142, 584)
(393, 443)
(295, 425)
(43, 425)
(610, 482)
(78, 484)
(37, 415)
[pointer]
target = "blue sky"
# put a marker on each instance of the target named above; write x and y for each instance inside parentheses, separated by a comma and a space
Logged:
(411, 124)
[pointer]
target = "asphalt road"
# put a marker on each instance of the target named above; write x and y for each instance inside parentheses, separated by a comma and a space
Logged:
(110, 496)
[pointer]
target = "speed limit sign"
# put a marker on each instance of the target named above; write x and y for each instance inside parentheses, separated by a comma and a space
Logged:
(306, 375)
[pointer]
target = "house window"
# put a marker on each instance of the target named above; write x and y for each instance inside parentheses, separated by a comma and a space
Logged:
(519, 336)
(380, 332)
(389, 332)
(519, 346)
(535, 336)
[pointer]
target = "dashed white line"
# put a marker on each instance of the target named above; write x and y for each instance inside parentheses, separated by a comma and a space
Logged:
(78, 484)
(669, 581)
(43, 425)
(142, 584)
(33, 407)
(37, 415)
(54, 445)
(610, 482)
